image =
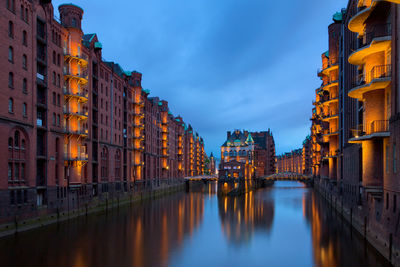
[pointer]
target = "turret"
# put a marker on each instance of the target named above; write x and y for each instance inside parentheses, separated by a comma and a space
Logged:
(71, 16)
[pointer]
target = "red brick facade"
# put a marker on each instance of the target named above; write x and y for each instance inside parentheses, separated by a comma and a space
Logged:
(76, 127)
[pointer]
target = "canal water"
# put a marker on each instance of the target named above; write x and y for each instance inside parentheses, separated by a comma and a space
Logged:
(285, 225)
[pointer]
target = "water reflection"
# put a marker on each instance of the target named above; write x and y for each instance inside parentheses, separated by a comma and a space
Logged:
(242, 216)
(287, 225)
(335, 243)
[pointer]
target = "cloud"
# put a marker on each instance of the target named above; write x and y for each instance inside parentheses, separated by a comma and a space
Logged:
(222, 64)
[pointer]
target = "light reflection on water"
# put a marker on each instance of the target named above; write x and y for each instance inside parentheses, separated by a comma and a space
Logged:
(279, 226)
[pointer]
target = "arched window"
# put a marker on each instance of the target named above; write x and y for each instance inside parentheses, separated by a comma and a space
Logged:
(16, 139)
(24, 110)
(10, 54)
(24, 86)
(104, 163)
(73, 22)
(11, 80)
(117, 164)
(24, 62)
(10, 29)
(24, 38)
(17, 157)
(26, 15)
(10, 105)
(54, 98)
(58, 59)
(54, 57)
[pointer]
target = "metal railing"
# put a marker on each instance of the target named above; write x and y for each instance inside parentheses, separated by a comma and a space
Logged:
(377, 126)
(376, 31)
(377, 72)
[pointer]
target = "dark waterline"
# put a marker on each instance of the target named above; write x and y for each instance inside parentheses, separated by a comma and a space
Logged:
(286, 225)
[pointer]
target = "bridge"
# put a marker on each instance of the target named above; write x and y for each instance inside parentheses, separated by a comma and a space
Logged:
(203, 178)
(289, 176)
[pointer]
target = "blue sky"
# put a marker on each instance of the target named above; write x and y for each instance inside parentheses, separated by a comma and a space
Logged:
(222, 64)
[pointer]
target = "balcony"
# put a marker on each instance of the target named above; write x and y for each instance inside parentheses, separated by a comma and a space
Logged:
(81, 58)
(333, 64)
(80, 113)
(331, 132)
(79, 94)
(330, 115)
(376, 129)
(332, 99)
(378, 78)
(79, 157)
(356, 23)
(331, 83)
(82, 76)
(376, 40)
(80, 131)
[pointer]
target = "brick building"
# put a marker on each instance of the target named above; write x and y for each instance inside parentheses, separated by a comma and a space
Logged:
(252, 152)
(78, 128)
(363, 174)
(264, 153)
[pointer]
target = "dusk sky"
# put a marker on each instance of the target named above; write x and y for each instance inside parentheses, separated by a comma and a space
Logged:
(221, 64)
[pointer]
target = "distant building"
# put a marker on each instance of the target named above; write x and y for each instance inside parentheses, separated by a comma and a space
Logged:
(264, 153)
(237, 156)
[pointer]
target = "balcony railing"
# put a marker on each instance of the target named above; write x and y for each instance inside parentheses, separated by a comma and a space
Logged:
(83, 56)
(377, 72)
(378, 126)
(79, 93)
(79, 157)
(375, 32)
(82, 74)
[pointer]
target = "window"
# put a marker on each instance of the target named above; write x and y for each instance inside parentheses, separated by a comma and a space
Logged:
(74, 22)
(387, 159)
(58, 99)
(16, 139)
(10, 143)
(54, 118)
(58, 59)
(11, 105)
(24, 86)
(26, 15)
(10, 54)
(16, 171)
(58, 120)
(394, 203)
(58, 80)
(24, 62)
(24, 112)
(387, 200)
(10, 29)
(11, 80)
(394, 159)
(22, 12)
(23, 144)
(54, 57)
(10, 171)
(24, 39)
(54, 78)
(54, 98)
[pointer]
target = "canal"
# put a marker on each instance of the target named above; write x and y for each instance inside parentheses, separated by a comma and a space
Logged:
(285, 225)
